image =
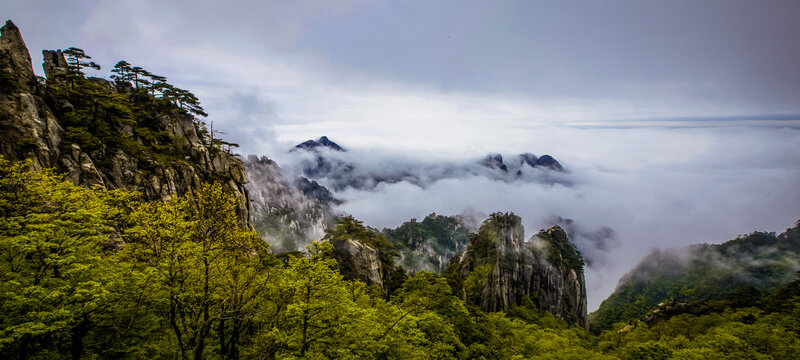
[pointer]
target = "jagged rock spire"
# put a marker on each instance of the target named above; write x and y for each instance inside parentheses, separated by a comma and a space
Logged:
(15, 56)
(54, 63)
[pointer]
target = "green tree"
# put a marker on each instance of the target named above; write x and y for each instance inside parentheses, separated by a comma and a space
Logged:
(76, 59)
(122, 73)
(199, 252)
(54, 276)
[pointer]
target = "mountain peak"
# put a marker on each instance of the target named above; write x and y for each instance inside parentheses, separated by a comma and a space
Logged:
(312, 145)
(494, 161)
(15, 56)
(543, 161)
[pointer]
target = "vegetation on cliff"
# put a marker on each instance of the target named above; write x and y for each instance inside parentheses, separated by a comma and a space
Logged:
(137, 133)
(429, 244)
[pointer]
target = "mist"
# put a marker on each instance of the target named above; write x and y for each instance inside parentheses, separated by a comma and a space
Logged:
(624, 193)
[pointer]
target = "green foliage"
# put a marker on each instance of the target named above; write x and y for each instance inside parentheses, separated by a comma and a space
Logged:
(560, 251)
(25, 144)
(54, 277)
(745, 333)
(102, 121)
(75, 59)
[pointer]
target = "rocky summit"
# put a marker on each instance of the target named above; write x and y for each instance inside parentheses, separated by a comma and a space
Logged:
(315, 145)
(499, 270)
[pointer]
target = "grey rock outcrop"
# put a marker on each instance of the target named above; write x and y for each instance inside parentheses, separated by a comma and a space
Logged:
(15, 56)
(494, 161)
(359, 261)
(32, 122)
(54, 63)
(504, 269)
(30, 129)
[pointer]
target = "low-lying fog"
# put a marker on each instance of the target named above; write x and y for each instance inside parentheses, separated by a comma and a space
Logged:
(625, 191)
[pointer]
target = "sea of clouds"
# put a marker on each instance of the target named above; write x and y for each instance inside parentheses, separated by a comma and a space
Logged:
(624, 192)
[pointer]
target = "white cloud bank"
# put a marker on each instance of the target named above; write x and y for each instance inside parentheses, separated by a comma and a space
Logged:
(654, 187)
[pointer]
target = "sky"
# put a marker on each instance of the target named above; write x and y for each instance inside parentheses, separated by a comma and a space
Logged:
(678, 121)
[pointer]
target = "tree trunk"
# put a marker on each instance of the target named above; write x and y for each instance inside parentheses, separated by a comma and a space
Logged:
(223, 345)
(77, 335)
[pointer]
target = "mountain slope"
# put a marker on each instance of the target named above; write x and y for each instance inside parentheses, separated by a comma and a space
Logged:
(764, 261)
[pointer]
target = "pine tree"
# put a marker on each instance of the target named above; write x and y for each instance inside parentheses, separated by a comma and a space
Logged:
(76, 60)
(122, 73)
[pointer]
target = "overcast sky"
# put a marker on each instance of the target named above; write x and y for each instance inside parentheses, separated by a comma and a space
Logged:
(679, 118)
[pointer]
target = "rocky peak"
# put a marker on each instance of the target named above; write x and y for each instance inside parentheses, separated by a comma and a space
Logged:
(500, 270)
(494, 161)
(549, 162)
(528, 158)
(314, 145)
(14, 56)
(543, 161)
(54, 63)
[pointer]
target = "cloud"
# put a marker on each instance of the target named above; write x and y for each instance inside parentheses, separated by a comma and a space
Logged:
(655, 187)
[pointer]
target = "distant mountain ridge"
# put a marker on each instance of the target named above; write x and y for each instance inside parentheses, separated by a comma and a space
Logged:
(761, 261)
(327, 162)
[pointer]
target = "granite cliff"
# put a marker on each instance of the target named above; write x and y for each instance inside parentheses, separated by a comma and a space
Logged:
(106, 134)
(498, 270)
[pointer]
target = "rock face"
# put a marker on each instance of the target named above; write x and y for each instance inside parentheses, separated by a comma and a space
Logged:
(288, 215)
(33, 122)
(499, 269)
(54, 63)
(664, 311)
(359, 261)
